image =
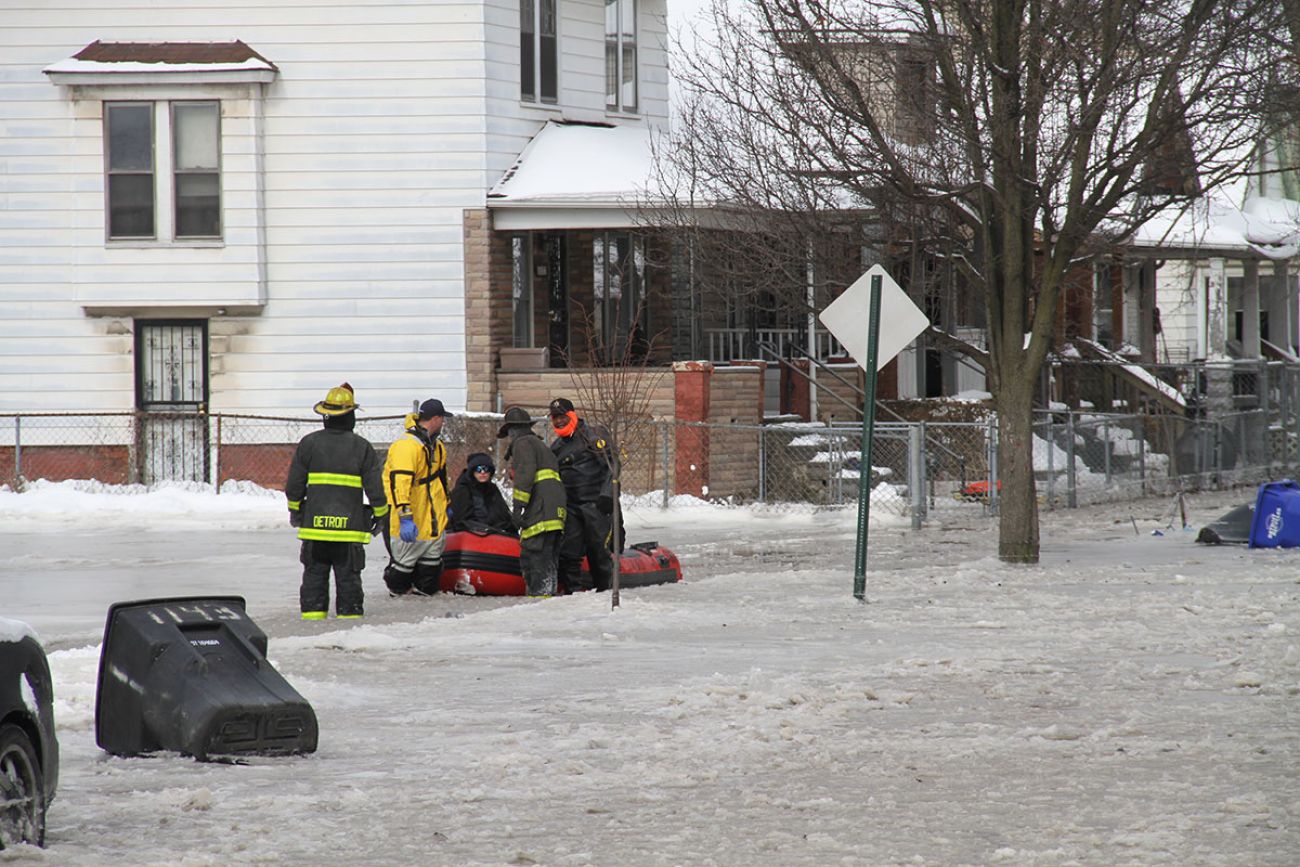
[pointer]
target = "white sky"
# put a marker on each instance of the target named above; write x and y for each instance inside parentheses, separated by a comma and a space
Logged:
(1130, 700)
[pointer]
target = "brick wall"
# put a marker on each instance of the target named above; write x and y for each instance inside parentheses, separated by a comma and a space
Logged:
(265, 464)
(488, 308)
(108, 464)
(736, 398)
(828, 408)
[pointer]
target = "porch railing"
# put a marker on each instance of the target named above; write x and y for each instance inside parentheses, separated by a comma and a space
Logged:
(730, 344)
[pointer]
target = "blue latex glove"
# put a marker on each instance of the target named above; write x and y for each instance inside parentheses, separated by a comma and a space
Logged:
(408, 531)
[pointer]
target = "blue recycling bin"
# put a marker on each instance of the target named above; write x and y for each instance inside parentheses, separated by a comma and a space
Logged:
(1277, 516)
(190, 674)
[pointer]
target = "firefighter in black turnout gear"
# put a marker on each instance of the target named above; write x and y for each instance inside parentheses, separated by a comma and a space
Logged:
(539, 502)
(330, 471)
(588, 459)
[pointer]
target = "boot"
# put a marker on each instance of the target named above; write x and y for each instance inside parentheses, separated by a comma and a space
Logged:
(398, 581)
(427, 578)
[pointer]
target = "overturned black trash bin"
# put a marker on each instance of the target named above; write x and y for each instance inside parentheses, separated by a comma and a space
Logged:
(190, 674)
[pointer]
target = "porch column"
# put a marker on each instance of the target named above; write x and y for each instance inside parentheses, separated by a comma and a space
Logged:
(691, 381)
(1250, 310)
(488, 310)
(1216, 306)
(1218, 372)
(1146, 299)
(1282, 309)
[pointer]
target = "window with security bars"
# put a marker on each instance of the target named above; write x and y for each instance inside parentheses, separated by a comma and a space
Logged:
(171, 364)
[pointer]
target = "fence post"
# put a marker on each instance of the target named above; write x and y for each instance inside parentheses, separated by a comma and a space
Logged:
(216, 458)
(762, 464)
(916, 472)
(667, 482)
(1142, 456)
(1218, 453)
(1106, 445)
(1071, 471)
(992, 504)
(1295, 416)
(18, 449)
(927, 491)
(1051, 466)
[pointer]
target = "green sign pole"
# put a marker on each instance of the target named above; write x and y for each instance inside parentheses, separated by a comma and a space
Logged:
(868, 432)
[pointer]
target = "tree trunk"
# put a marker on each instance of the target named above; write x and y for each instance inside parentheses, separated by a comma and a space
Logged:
(1017, 499)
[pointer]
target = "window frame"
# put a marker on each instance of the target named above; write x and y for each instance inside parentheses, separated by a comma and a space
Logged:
(164, 172)
(177, 171)
(618, 324)
(618, 40)
(521, 290)
(542, 58)
(110, 172)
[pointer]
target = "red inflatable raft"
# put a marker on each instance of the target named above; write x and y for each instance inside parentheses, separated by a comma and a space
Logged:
(490, 563)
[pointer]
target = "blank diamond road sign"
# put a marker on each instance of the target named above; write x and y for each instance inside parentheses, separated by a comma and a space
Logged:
(848, 316)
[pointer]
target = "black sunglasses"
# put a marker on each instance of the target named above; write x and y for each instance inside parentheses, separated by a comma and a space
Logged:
(482, 468)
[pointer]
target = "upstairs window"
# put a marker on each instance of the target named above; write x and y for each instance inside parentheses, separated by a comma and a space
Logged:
(130, 182)
(196, 169)
(620, 55)
(538, 51)
(189, 178)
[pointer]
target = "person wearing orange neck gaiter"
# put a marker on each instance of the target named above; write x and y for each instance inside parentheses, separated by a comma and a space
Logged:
(589, 463)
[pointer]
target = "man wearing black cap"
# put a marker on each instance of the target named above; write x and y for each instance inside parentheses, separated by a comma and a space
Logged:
(588, 462)
(330, 470)
(539, 507)
(415, 479)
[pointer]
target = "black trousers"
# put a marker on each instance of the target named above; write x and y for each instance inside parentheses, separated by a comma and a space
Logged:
(586, 534)
(346, 559)
(537, 560)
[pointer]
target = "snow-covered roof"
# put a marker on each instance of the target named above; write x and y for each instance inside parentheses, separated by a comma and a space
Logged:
(1268, 228)
(575, 175)
(580, 164)
(135, 62)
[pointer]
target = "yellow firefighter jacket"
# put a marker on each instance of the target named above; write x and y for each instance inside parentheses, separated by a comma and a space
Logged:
(415, 480)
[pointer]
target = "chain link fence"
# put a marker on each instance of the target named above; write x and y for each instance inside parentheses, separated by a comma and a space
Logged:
(917, 469)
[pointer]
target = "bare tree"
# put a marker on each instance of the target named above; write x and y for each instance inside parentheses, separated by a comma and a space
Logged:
(1011, 139)
(617, 393)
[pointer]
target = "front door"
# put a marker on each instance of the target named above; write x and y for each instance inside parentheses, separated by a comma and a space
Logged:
(171, 386)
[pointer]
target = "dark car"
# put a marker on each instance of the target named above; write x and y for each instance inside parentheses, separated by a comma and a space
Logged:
(29, 752)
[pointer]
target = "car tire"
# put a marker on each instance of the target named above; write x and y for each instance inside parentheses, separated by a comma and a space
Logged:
(22, 790)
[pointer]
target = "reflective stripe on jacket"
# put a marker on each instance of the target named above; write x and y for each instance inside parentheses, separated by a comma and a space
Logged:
(415, 479)
(539, 494)
(330, 471)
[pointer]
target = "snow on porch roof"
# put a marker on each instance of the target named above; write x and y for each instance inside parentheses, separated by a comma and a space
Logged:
(109, 62)
(579, 166)
(1268, 229)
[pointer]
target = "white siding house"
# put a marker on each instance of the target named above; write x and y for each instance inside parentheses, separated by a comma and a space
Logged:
(352, 144)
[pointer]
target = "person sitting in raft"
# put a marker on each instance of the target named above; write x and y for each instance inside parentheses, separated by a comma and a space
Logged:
(476, 503)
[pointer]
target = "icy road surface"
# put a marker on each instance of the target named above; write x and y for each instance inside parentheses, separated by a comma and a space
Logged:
(1132, 700)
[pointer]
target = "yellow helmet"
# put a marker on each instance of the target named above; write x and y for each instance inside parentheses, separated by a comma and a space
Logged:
(339, 401)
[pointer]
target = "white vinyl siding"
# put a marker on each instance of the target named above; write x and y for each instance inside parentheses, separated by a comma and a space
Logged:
(350, 244)
(343, 187)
